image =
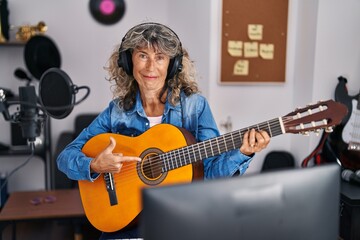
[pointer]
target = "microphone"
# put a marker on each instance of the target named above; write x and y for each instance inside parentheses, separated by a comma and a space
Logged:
(21, 74)
(28, 117)
(350, 176)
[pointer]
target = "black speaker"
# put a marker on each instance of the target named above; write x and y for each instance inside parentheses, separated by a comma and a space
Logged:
(125, 61)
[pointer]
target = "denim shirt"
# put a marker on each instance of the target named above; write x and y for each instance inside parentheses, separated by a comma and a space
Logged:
(192, 113)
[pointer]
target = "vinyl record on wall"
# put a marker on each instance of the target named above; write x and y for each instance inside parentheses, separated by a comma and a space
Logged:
(107, 11)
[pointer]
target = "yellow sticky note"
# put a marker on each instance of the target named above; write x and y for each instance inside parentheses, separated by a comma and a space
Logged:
(251, 49)
(267, 51)
(255, 31)
(235, 48)
(241, 67)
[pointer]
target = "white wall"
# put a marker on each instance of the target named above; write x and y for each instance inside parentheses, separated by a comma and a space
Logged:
(249, 104)
(322, 44)
(323, 37)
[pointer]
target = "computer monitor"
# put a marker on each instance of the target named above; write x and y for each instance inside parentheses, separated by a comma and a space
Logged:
(294, 204)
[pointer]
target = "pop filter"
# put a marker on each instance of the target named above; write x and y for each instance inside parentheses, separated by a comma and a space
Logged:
(57, 93)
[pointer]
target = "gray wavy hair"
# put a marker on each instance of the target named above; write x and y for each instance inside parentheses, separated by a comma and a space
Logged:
(161, 38)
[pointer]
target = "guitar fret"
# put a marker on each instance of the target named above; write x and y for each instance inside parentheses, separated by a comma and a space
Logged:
(163, 157)
(164, 168)
(168, 161)
(226, 148)
(188, 152)
(205, 150)
(270, 132)
(183, 159)
(176, 162)
(181, 155)
(193, 150)
(212, 152)
(232, 140)
(172, 164)
(200, 153)
(176, 158)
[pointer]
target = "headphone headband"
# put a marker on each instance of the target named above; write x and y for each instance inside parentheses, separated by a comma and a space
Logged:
(150, 23)
(125, 58)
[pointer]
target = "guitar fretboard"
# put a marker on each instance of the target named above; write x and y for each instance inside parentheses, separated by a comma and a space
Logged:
(214, 146)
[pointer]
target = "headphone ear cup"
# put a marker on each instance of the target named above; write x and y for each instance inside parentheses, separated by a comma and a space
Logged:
(125, 62)
(175, 66)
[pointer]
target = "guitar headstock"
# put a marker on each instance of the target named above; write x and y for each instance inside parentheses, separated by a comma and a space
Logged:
(312, 118)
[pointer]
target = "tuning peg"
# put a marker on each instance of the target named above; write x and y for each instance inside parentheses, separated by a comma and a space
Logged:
(305, 133)
(311, 104)
(329, 129)
(317, 132)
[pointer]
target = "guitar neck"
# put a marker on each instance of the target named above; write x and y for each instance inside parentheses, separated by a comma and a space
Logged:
(215, 146)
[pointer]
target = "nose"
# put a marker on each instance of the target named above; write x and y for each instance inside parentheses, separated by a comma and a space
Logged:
(150, 64)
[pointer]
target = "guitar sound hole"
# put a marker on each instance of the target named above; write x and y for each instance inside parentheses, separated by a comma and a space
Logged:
(152, 166)
(150, 170)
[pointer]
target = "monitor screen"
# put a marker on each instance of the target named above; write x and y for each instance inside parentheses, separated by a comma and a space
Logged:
(288, 204)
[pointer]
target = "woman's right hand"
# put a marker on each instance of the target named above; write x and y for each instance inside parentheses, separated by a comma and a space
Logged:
(109, 162)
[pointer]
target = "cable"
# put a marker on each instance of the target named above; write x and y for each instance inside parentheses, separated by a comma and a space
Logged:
(32, 147)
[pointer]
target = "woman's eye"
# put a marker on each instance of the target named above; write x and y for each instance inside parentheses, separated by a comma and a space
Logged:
(143, 56)
(160, 57)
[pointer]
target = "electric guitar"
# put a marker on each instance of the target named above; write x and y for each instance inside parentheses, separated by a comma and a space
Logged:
(345, 140)
(170, 155)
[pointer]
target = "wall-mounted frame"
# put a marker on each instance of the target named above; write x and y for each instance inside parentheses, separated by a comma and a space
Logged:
(253, 41)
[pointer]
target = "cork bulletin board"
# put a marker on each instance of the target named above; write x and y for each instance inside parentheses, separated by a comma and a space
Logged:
(253, 41)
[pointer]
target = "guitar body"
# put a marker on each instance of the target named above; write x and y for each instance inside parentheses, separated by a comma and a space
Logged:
(339, 139)
(133, 176)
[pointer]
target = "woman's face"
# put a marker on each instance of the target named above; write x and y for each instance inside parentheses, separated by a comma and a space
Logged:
(150, 68)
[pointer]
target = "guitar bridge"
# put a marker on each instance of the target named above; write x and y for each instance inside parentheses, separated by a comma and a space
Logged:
(110, 187)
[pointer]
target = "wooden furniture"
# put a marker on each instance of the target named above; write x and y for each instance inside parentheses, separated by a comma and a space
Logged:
(42, 205)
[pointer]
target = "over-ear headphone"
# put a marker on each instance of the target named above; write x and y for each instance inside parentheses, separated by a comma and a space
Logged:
(125, 60)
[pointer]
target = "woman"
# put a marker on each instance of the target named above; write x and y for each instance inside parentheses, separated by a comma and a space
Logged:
(155, 82)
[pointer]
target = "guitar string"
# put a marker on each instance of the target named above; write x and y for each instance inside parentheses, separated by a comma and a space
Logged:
(126, 175)
(206, 144)
(125, 171)
(157, 162)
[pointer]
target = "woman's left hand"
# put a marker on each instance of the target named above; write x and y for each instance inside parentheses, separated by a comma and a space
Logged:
(254, 141)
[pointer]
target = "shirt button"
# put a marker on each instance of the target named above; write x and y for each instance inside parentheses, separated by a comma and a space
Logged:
(146, 124)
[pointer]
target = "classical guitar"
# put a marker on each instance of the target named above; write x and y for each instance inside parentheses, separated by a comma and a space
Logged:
(170, 155)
